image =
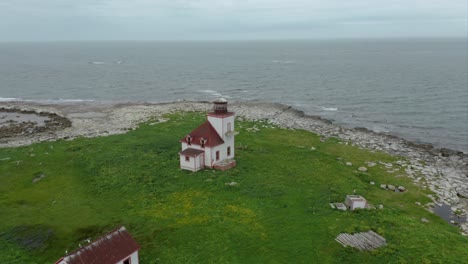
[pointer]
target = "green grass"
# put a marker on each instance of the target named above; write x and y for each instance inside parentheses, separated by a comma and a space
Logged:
(278, 213)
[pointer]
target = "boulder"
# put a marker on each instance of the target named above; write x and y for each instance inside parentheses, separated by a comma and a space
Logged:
(363, 169)
(391, 187)
(383, 186)
(349, 164)
(372, 183)
(401, 188)
(424, 220)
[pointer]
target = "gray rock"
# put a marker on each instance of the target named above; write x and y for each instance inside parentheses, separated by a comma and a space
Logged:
(363, 169)
(372, 183)
(349, 164)
(401, 188)
(340, 206)
(383, 186)
(391, 187)
(424, 220)
(380, 206)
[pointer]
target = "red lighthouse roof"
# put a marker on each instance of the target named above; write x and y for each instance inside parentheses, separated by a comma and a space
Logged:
(204, 132)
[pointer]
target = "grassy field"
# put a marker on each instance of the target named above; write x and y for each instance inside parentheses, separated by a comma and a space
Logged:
(278, 213)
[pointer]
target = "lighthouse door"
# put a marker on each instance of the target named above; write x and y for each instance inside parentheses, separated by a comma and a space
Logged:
(202, 160)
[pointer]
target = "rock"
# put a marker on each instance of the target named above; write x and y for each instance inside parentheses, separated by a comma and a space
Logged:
(208, 180)
(349, 164)
(401, 188)
(391, 187)
(312, 148)
(372, 183)
(424, 220)
(383, 186)
(340, 206)
(370, 164)
(380, 206)
(231, 183)
(418, 203)
(363, 169)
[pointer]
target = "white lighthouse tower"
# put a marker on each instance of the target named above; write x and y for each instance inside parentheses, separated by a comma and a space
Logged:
(212, 143)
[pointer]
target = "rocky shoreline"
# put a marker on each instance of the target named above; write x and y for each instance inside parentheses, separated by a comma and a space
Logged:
(443, 171)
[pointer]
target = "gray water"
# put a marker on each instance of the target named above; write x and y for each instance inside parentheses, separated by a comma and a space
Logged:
(415, 89)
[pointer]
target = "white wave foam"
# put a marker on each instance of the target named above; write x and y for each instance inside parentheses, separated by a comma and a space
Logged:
(282, 61)
(8, 99)
(329, 109)
(97, 62)
(208, 91)
(73, 100)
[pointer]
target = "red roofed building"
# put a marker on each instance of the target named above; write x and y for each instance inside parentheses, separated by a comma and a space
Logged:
(212, 143)
(117, 247)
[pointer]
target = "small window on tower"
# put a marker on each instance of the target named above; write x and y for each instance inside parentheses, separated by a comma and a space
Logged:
(229, 151)
(187, 158)
(217, 155)
(189, 140)
(202, 142)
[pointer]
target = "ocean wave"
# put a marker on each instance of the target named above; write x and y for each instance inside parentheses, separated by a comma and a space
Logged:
(97, 62)
(214, 93)
(60, 100)
(71, 100)
(8, 99)
(283, 61)
(208, 91)
(329, 109)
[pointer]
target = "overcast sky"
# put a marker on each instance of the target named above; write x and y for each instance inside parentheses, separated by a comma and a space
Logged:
(42, 20)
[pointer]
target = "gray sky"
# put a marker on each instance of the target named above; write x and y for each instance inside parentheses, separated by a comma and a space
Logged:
(41, 20)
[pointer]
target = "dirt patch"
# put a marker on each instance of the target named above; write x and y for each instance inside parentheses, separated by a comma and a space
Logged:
(14, 122)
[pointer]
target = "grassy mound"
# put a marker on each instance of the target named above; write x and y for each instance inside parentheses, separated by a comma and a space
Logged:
(55, 195)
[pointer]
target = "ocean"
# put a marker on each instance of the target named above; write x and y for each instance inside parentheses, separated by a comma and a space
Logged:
(416, 89)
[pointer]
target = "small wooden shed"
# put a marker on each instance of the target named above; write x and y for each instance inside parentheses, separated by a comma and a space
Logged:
(116, 247)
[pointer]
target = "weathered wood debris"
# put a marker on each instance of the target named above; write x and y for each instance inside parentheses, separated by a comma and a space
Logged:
(363, 241)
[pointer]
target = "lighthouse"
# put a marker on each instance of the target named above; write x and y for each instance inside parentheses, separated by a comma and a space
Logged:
(212, 143)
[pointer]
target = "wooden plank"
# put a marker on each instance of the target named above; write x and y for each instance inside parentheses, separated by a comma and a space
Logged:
(362, 241)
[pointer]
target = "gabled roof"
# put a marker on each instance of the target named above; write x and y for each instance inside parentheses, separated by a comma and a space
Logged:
(108, 249)
(191, 152)
(205, 131)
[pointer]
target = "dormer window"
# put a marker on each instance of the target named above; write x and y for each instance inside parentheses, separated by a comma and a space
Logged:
(189, 140)
(203, 142)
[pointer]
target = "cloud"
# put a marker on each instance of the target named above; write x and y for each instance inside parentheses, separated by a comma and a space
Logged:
(64, 19)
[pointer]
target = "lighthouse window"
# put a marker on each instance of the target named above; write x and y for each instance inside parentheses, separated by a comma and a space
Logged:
(202, 142)
(229, 151)
(217, 155)
(189, 140)
(187, 158)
